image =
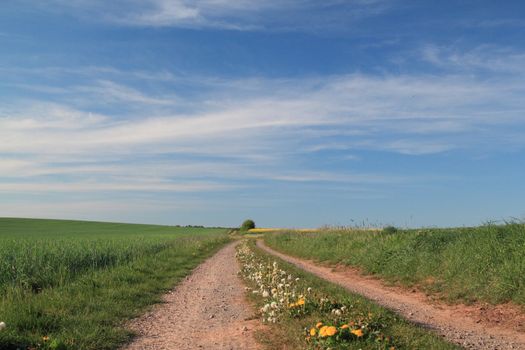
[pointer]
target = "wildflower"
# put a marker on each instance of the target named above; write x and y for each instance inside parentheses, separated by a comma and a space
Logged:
(322, 331)
(2, 326)
(313, 331)
(345, 326)
(300, 302)
(357, 332)
(309, 289)
(319, 325)
(45, 338)
(330, 331)
(297, 279)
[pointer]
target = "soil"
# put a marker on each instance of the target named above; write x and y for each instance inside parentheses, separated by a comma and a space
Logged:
(471, 327)
(207, 310)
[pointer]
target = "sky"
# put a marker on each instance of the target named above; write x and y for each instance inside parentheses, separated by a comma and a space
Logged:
(295, 113)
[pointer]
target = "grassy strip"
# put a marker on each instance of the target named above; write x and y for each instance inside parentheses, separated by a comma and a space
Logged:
(88, 309)
(484, 263)
(292, 326)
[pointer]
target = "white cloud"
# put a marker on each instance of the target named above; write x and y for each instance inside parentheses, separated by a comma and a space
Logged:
(489, 58)
(232, 132)
(223, 14)
(102, 186)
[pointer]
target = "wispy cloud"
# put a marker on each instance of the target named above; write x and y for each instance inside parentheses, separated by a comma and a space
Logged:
(489, 58)
(230, 15)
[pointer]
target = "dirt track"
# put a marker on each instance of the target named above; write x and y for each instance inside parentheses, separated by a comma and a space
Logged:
(205, 311)
(451, 322)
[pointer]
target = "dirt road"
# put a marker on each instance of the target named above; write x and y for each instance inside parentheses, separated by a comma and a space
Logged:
(205, 311)
(451, 322)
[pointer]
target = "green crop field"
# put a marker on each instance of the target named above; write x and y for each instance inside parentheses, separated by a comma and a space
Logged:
(73, 284)
(485, 263)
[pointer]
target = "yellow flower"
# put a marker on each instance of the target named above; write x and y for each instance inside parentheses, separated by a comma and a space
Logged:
(345, 326)
(322, 331)
(292, 305)
(357, 332)
(300, 302)
(331, 331)
(313, 331)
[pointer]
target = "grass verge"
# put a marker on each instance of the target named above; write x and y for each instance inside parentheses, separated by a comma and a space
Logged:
(483, 263)
(304, 300)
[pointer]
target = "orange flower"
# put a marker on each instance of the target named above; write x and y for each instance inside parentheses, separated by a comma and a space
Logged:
(322, 331)
(319, 325)
(357, 332)
(331, 331)
(345, 326)
(300, 302)
(313, 331)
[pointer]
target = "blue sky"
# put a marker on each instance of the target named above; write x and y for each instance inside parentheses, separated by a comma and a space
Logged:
(294, 113)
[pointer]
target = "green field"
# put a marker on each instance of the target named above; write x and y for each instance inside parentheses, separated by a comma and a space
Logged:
(485, 263)
(73, 284)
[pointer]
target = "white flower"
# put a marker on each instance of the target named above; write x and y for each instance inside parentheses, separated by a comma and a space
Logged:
(309, 289)
(297, 279)
(265, 294)
(2, 326)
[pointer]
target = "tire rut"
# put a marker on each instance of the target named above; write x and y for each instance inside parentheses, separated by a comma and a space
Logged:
(207, 310)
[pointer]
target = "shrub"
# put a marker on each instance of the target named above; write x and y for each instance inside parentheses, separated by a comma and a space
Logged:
(389, 229)
(247, 225)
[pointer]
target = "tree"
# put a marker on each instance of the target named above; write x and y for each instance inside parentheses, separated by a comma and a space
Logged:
(247, 224)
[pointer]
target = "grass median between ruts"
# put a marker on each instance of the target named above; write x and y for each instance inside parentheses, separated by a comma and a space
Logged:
(305, 312)
(73, 285)
(483, 263)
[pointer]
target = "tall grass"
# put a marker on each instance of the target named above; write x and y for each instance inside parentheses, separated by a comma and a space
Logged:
(485, 263)
(77, 282)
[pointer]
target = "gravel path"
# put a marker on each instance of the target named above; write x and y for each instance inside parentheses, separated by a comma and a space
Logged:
(207, 310)
(451, 322)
